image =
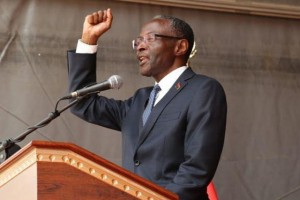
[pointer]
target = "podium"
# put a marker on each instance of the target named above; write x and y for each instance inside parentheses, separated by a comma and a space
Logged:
(45, 170)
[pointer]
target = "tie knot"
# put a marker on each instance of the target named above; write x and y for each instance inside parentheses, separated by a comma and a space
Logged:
(156, 88)
(154, 92)
(150, 104)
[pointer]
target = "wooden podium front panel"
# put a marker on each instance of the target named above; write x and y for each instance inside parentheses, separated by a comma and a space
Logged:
(63, 182)
(22, 187)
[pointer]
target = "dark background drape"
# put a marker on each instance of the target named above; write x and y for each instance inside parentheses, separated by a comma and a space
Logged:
(255, 58)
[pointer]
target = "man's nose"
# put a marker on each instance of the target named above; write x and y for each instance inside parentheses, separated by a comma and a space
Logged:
(141, 46)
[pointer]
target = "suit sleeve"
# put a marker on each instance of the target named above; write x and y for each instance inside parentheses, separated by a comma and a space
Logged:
(94, 109)
(204, 141)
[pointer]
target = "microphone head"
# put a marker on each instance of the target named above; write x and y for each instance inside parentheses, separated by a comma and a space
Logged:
(115, 81)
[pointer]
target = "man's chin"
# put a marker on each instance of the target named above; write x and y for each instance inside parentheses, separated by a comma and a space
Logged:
(145, 74)
(144, 71)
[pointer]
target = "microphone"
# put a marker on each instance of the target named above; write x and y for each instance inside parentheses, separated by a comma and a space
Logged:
(114, 82)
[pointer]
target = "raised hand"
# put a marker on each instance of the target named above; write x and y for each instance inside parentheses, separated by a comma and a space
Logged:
(95, 25)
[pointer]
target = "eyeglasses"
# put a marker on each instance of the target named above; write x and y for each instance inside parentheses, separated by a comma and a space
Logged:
(151, 37)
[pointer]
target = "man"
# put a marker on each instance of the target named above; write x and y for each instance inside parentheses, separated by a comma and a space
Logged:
(179, 145)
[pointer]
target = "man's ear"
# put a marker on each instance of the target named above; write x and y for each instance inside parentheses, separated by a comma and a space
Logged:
(181, 47)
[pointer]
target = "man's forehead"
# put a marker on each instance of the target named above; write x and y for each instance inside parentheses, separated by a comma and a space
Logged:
(156, 25)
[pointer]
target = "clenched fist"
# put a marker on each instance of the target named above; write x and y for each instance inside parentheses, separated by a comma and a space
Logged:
(95, 25)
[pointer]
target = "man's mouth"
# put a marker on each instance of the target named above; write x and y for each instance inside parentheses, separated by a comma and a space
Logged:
(142, 60)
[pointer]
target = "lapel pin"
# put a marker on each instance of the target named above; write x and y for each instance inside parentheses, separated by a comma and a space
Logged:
(178, 85)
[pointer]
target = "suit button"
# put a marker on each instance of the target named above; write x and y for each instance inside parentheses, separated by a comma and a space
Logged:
(137, 162)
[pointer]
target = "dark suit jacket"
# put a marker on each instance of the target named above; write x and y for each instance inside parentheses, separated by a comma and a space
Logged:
(180, 145)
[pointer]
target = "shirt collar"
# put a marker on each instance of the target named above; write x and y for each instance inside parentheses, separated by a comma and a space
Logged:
(167, 82)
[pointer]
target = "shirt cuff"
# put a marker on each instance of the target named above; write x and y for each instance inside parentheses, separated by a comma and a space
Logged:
(85, 48)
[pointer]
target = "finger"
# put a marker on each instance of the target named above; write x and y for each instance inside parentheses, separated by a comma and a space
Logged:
(109, 16)
(104, 15)
(95, 18)
(100, 16)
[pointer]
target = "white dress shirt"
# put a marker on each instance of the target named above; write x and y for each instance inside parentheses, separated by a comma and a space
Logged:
(166, 83)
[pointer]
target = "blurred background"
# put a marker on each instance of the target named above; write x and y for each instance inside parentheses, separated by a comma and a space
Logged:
(251, 47)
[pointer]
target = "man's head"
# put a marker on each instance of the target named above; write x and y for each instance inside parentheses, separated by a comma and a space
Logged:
(181, 29)
(164, 44)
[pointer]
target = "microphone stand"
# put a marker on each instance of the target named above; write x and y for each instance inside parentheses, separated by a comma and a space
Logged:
(9, 147)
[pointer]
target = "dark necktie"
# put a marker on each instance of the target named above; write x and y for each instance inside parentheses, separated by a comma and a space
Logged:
(150, 104)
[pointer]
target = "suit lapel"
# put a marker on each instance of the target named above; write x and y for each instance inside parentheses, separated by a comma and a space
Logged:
(161, 105)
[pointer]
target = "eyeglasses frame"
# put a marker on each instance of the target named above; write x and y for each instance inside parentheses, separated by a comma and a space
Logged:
(155, 35)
